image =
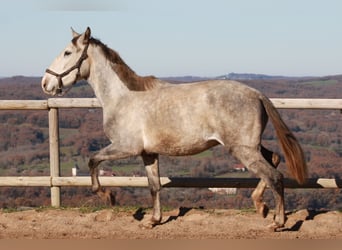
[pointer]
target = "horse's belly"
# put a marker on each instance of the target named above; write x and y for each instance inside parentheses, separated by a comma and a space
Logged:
(168, 146)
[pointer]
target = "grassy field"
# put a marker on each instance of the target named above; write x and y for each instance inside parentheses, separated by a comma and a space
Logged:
(321, 83)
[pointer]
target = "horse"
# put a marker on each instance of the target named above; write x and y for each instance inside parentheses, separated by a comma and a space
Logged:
(146, 116)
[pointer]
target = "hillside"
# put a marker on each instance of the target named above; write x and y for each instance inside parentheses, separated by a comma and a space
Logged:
(24, 148)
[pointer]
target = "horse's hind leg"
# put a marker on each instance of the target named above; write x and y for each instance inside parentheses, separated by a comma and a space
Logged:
(253, 159)
(257, 194)
(152, 170)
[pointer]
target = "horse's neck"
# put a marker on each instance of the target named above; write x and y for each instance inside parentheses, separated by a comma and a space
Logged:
(106, 84)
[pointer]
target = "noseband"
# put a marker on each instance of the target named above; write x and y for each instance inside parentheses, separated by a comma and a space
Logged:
(76, 66)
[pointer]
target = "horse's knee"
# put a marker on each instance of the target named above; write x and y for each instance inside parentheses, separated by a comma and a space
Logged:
(92, 163)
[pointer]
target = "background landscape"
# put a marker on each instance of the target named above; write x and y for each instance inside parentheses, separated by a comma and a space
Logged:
(24, 148)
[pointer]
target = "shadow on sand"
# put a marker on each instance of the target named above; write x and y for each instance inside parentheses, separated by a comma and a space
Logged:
(296, 227)
(140, 213)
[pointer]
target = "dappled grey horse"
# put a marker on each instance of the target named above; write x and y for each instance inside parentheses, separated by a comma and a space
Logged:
(145, 116)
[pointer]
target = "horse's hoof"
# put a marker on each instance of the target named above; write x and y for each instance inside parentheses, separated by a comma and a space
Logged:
(112, 199)
(275, 227)
(147, 225)
(106, 196)
(95, 189)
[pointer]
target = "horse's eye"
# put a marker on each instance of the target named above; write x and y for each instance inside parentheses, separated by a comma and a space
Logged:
(67, 53)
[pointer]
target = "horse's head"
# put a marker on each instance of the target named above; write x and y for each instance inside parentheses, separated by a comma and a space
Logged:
(69, 67)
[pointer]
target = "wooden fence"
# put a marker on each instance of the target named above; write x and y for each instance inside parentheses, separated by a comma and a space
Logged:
(55, 181)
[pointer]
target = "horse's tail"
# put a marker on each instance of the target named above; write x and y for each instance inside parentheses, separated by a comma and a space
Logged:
(294, 155)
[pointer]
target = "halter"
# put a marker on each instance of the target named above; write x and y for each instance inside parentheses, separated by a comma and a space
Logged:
(76, 66)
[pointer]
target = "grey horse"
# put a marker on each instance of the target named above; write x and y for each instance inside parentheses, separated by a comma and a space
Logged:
(145, 116)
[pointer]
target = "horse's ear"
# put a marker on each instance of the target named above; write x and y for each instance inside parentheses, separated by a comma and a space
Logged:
(74, 33)
(87, 35)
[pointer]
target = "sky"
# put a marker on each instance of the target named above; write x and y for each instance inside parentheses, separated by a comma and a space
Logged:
(179, 37)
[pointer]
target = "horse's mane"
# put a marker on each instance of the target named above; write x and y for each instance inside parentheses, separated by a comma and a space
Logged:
(125, 73)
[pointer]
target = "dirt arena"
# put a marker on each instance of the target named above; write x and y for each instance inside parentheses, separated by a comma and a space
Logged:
(183, 223)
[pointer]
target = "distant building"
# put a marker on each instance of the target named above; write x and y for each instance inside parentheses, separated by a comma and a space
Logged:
(227, 191)
(75, 169)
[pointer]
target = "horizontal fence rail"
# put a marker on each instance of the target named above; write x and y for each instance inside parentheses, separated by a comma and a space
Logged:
(281, 103)
(55, 181)
(170, 182)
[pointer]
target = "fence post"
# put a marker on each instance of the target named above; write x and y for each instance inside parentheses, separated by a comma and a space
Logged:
(54, 155)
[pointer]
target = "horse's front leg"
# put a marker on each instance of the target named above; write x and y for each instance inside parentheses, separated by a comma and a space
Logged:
(152, 170)
(108, 153)
(103, 193)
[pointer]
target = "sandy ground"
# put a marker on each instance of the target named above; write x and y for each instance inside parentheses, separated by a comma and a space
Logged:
(183, 223)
